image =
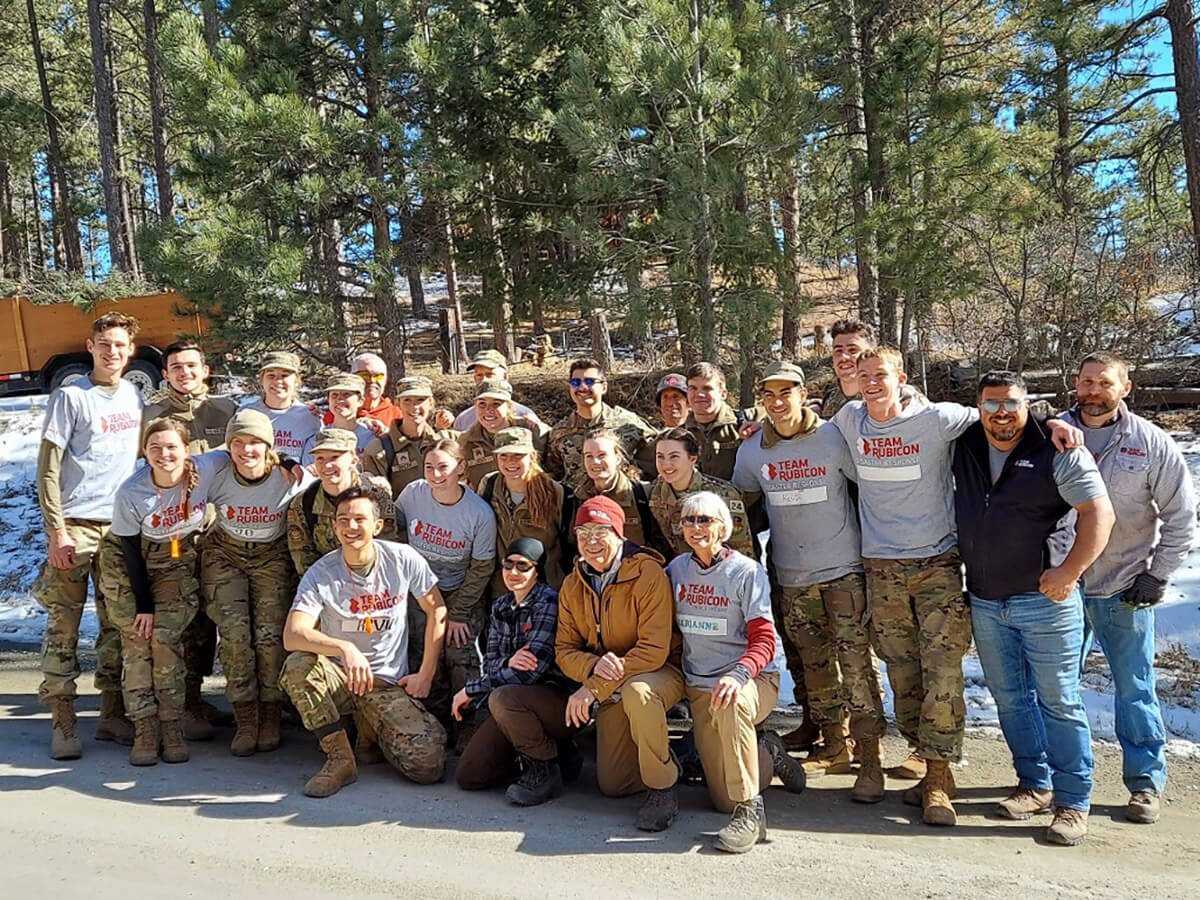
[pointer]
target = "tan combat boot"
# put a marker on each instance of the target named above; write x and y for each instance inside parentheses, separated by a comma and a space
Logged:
(869, 785)
(915, 795)
(1069, 827)
(174, 747)
(196, 725)
(268, 727)
(833, 758)
(64, 741)
(913, 767)
(936, 800)
(366, 746)
(145, 742)
(245, 740)
(113, 724)
(339, 769)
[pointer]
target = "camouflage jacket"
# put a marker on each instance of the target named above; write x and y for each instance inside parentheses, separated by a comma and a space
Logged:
(310, 521)
(665, 503)
(564, 448)
(513, 521)
(477, 444)
(719, 439)
(398, 459)
(205, 416)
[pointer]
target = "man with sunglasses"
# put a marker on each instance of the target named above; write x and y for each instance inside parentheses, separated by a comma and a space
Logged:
(1152, 495)
(373, 371)
(1024, 555)
(564, 448)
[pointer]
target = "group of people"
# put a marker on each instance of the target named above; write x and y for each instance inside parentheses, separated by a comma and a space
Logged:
(410, 580)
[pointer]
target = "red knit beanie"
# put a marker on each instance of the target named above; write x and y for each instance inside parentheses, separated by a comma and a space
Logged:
(601, 511)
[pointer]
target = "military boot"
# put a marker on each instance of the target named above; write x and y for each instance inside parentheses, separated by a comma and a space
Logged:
(268, 727)
(938, 810)
(747, 827)
(540, 780)
(366, 746)
(786, 769)
(803, 738)
(869, 785)
(64, 740)
(912, 768)
(196, 724)
(174, 747)
(339, 769)
(1069, 827)
(113, 724)
(915, 795)
(833, 757)
(145, 742)
(245, 740)
(659, 809)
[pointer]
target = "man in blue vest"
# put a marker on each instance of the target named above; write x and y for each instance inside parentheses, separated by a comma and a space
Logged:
(1030, 521)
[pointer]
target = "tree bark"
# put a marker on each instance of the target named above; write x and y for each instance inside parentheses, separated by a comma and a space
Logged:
(212, 25)
(861, 198)
(158, 120)
(705, 239)
(873, 35)
(793, 301)
(502, 334)
(601, 341)
(108, 149)
(411, 252)
(1180, 19)
(39, 237)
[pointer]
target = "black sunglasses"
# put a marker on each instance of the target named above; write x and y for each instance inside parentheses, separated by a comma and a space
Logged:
(697, 520)
(521, 565)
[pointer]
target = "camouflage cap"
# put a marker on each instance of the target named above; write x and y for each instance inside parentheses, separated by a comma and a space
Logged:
(280, 359)
(414, 386)
(782, 371)
(343, 381)
(672, 381)
(493, 388)
(493, 359)
(338, 440)
(513, 440)
(251, 423)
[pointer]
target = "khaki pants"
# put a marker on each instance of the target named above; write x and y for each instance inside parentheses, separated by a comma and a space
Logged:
(736, 767)
(63, 592)
(631, 734)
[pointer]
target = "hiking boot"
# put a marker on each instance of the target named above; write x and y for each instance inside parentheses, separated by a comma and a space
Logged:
(174, 747)
(245, 740)
(915, 795)
(1142, 807)
(196, 724)
(747, 826)
(1069, 827)
(64, 741)
(570, 760)
(113, 724)
(659, 810)
(145, 742)
(803, 738)
(540, 780)
(869, 785)
(268, 727)
(1024, 803)
(681, 712)
(912, 768)
(833, 757)
(786, 769)
(366, 744)
(935, 798)
(339, 769)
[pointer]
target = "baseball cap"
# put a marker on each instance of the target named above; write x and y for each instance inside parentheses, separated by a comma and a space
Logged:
(414, 386)
(783, 371)
(338, 440)
(344, 381)
(493, 359)
(672, 381)
(493, 388)
(513, 440)
(280, 359)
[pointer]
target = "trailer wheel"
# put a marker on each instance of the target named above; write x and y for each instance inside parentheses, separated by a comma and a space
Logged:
(68, 373)
(144, 376)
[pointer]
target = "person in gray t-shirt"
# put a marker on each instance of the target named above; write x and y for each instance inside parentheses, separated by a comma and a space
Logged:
(348, 636)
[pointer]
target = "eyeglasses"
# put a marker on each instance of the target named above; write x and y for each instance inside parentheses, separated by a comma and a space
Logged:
(521, 565)
(697, 520)
(595, 533)
(377, 377)
(1010, 404)
(589, 382)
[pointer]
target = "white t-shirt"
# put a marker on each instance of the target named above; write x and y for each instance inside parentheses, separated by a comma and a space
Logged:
(157, 513)
(449, 537)
(294, 427)
(469, 417)
(369, 611)
(255, 512)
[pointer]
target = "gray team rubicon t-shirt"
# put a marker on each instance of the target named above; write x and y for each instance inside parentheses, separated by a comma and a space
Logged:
(294, 427)
(449, 537)
(157, 514)
(369, 611)
(98, 429)
(255, 511)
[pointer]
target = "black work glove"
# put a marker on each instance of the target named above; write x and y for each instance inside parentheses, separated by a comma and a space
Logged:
(1146, 591)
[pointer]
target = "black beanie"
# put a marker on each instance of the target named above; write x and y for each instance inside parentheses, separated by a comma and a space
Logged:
(530, 548)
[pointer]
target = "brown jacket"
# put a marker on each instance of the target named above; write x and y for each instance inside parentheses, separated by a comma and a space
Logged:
(634, 619)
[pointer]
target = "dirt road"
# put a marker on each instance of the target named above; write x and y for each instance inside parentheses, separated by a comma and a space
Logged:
(225, 827)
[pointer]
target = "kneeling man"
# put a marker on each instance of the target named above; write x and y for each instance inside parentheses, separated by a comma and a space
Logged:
(348, 633)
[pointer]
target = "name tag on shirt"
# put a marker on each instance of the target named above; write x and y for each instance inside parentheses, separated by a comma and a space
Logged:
(705, 625)
(889, 473)
(801, 497)
(368, 625)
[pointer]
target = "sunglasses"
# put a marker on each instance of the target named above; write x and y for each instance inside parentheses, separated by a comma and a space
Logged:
(581, 382)
(1010, 404)
(521, 565)
(377, 377)
(697, 520)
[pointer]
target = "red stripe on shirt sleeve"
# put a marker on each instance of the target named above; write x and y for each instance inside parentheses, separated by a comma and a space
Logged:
(760, 645)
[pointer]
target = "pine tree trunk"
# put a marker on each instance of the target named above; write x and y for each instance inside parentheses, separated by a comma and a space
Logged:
(1179, 15)
(874, 36)
(452, 299)
(705, 239)
(329, 248)
(789, 208)
(158, 120)
(212, 25)
(39, 237)
(502, 334)
(862, 197)
(128, 225)
(108, 149)
(10, 246)
(411, 251)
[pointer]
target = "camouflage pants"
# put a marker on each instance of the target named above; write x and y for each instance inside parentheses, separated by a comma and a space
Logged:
(63, 592)
(411, 738)
(153, 671)
(457, 666)
(923, 629)
(830, 624)
(791, 653)
(200, 637)
(248, 589)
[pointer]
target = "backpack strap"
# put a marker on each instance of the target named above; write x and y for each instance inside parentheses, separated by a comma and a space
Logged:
(307, 500)
(389, 451)
(487, 487)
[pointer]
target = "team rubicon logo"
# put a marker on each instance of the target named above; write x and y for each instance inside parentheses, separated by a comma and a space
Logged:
(417, 526)
(118, 422)
(791, 470)
(887, 447)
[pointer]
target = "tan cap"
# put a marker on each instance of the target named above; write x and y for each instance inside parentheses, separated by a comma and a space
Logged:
(338, 440)
(343, 381)
(414, 386)
(513, 440)
(494, 388)
(783, 371)
(672, 381)
(280, 359)
(250, 423)
(493, 359)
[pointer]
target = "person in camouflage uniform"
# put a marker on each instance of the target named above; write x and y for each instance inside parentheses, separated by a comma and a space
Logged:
(494, 411)
(310, 532)
(348, 636)
(676, 454)
(399, 455)
(601, 461)
(715, 424)
(187, 399)
(564, 447)
(344, 393)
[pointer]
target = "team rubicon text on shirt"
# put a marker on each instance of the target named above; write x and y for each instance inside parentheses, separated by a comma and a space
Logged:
(118, 422)
(435, 536)
(805, 482)
(883, 459)
(700, 598)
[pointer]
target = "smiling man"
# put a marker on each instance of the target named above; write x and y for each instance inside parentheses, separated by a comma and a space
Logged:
(713, 421)
(188, 400)
(851, 338)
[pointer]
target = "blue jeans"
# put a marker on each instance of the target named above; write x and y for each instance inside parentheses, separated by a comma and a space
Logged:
(1127, 638)
(1029, 647)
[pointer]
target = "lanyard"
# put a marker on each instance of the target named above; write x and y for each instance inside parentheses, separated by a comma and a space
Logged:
(368, 624)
